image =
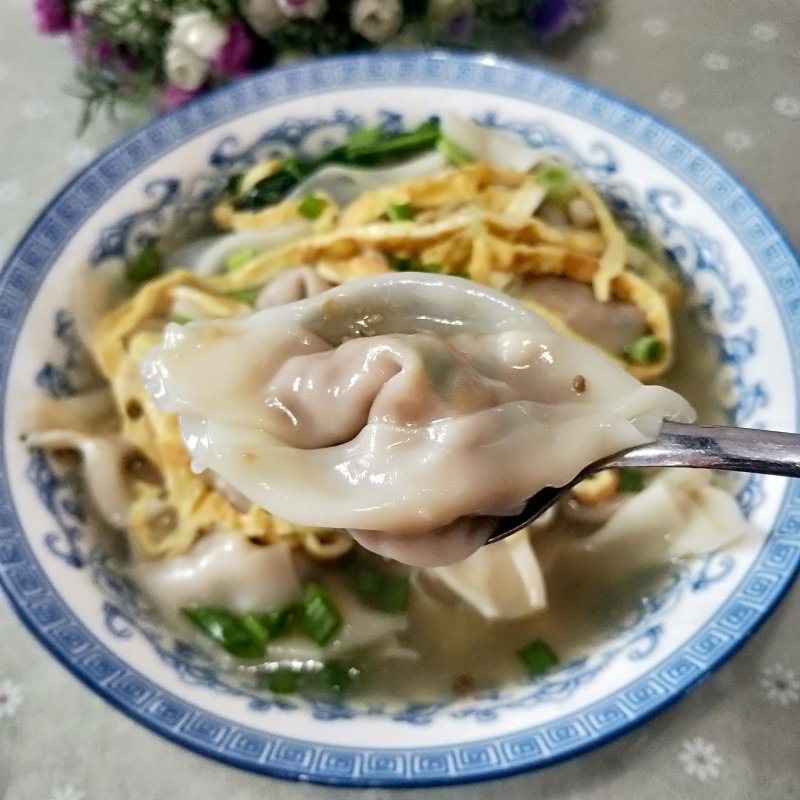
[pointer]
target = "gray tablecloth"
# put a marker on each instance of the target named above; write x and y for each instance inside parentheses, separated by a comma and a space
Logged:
(728, 73)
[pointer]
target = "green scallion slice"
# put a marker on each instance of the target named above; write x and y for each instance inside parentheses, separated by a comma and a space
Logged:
(630, 479)
(280, 621)
(312, 206)
(181, 319)
(236, 259)
(321, 618)
(400, 212)
(246, 296)
(283, 681)
(410, 264)
(145, 266)
(538, 657)
(337, 677)
(558, 182)
(226, 629)
(456, 155)
(390, 593)
(645, 350)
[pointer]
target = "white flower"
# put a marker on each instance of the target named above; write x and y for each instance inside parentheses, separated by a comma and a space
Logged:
(376, 20)
(716, 62)
(303, 9)
(764, 31)
(263, 16)
(10, 698)
(671, 97)
(655, 26)
(10, 191)
(194, 40)
(199, 33)
(67, 793)
(738, 140)
(787, 106)
(184, 69)
(604, 56)
(782, 685)
(699, 758)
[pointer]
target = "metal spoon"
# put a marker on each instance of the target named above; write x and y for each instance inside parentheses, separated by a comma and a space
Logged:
(680, 445)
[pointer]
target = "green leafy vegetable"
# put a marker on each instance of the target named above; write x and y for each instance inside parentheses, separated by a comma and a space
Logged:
(227, 630)
(630, 479)
(557, 181)
(266, 192)
(363, 147)
(234, 184)
(145, 266)
(538, 657)
(382, 591)
(373, 146)
(236, 259)
(321, 618)
(312, 206)
(400, 212)
(645, 350)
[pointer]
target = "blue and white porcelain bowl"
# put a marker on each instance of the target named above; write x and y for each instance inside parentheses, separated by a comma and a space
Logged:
(747, 291)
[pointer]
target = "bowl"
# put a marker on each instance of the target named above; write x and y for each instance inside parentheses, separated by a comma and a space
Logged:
(62, 583)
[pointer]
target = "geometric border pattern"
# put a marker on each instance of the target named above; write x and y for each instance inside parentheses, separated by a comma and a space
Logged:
(56, 626)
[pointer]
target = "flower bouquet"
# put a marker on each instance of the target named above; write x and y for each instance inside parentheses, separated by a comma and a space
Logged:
(164, 52)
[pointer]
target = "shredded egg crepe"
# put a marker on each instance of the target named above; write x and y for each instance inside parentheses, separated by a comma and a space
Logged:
(477, 221)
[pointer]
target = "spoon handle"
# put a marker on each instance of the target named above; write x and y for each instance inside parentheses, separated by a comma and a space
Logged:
(717, 447)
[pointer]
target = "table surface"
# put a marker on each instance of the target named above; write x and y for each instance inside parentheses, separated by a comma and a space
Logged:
(725, 71)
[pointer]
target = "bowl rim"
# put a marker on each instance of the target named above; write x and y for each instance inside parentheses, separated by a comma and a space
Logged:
(199, 116)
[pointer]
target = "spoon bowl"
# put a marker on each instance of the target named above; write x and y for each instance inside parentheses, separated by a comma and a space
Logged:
(679, 445)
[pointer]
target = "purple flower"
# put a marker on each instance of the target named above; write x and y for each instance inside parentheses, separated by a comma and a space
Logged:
(85, 48)
(52, 16)
(174, 96)
(551, 18)
(234, 57)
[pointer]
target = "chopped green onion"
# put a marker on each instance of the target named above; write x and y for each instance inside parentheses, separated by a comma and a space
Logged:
(226, 629)
(321, 618)
(257, 630)
(538, 657)
(410, 264)
(180, 319)
(400, 212)
(630, 479)
(280, 621)
(337, 676)
(557, 181)
(453, 153)
(246, 296)
(384, 592)
(236, 259)
(645, 350)
(283, 681)
(312, 206)
(145, 266)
